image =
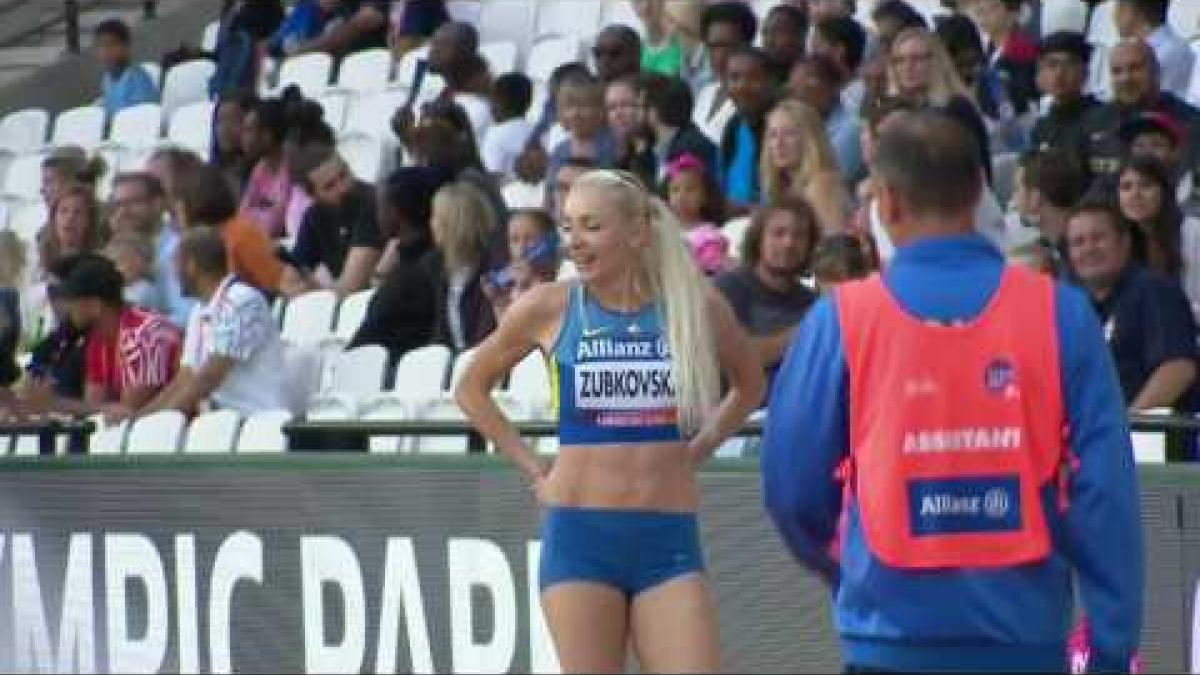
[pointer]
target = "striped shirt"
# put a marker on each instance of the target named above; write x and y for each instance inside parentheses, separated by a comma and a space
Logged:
(144, 353)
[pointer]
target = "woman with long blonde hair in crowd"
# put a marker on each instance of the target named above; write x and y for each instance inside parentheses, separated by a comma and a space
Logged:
(798, 161)
(637, 346)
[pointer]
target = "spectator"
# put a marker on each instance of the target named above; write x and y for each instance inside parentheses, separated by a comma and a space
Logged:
(413, 22)
(12, 269)
(454, 55)
(134, 259)
(56, 360)
(1011, 52)
(505, 140)
(228, 124)
(799, 162)
(752, 90)
(1062, 70)
(892, 17)
(728, 27)
(662, 51)
(269, 192)
(695, 198)
(817, 81)
(625, 107)
(165, 165)
(74, 227)
(462, 226)
(1161, 137)
(618, 52)
(355, 25)
(124, 85)
(669, 115)
(563, 180)
(784, 34)
(960, 38)
(232, 356)
(1147, 321)
(765, 292)
(401, 314)
(305, 21)
(820, 10)
(1136, 90)
(65, 166)
(1147, 20)
(1047, 186)
(340, 242)
(1163, 239)
(581, 113)
(129, 354)
(839, 258)
(203, 199)
(921, 72)
(842, 40)
(244, 26)
(533, 246)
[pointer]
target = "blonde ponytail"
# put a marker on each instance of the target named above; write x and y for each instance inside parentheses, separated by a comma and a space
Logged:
(669, 274)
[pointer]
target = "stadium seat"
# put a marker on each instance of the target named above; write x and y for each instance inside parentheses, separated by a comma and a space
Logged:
(21, 446)
(621, 13)
(23, 182)
(364, 155)
(406, 78)
(263, 432)
(1102, 30)
(735, 231)
(371, 116)
(107, 440)
(420, 373)
(303, 365)
(213, 432)
(465, 11)
(529, 387)
(1184, 17)
(521, 195)
(579, 19)
(154, 71)
(26, 220)
(156, 434)
(309, 72)
(548, 53)
(190, 127)
(501, 56)
(333, 109)
(186, 83)
(24, 131)
(358, 372)
(332, 407)
(511, 20)
(387, 410)
(82, 126)
(364, 72)
(1058, 15)
(308, 319)
(350, 315)
(208, 40)
(135, 128)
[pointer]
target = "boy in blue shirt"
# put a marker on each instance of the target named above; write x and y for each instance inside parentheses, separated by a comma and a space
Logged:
(124, 85)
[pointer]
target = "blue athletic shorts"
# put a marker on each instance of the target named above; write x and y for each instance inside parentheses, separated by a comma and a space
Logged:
(632, 551)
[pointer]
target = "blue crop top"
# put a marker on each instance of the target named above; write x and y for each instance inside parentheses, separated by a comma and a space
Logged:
(611, 376)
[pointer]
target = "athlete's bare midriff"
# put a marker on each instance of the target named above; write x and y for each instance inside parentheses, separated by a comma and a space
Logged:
(636, 476)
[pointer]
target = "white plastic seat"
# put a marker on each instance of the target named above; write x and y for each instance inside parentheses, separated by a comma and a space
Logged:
(465, 11)
(577, 18)
(208, 40)
(191, 126)
(431, 84)
(521, 195)
(186, 83)
(332, 407)
(371, 116)
(420, 373)
(350, 315)
(309, 72)
(511, 20)
(154, 70)
(735, 231)
(1060, 15)
(1184, 17)
(1103, 27)
(364, 72)
(308, 318)
(135, 128)
(387, 410)
(26, 220)
(82, 126)
(303, 366)
(358, 372)
(621, 13)
(22, 446)
(107, 440)
(529, 387)
(156, 434)
(23, 182)
(334, 107)
(548, 53)
(501, 56)
(213, 432)
(263, 432)
(364, 156)
(24, 131)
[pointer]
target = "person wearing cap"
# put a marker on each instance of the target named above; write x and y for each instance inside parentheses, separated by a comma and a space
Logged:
(1136, 89)
(129, 354)
(1062, 69)
(905, 425)
(1162, 137)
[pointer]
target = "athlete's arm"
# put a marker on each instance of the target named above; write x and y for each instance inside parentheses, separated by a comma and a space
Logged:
(1166, 385)
(1102, 532)
(805, 439)
(743, 372)
(513, 339)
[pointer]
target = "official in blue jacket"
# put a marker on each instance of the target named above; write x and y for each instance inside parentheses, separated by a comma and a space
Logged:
(943, 617)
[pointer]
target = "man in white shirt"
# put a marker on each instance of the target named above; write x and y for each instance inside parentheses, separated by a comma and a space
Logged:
(232, 354)
(1147, 20)
(512, 94)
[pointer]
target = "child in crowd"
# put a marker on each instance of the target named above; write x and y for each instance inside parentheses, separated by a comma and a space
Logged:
(695, 198)
(840, 258)
(134, 258)
(533, 248)
(506, 139)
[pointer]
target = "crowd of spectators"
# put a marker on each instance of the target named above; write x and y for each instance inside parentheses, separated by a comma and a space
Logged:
(161, 297)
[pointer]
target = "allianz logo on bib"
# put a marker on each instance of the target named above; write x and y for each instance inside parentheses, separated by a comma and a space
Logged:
(964, 505)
